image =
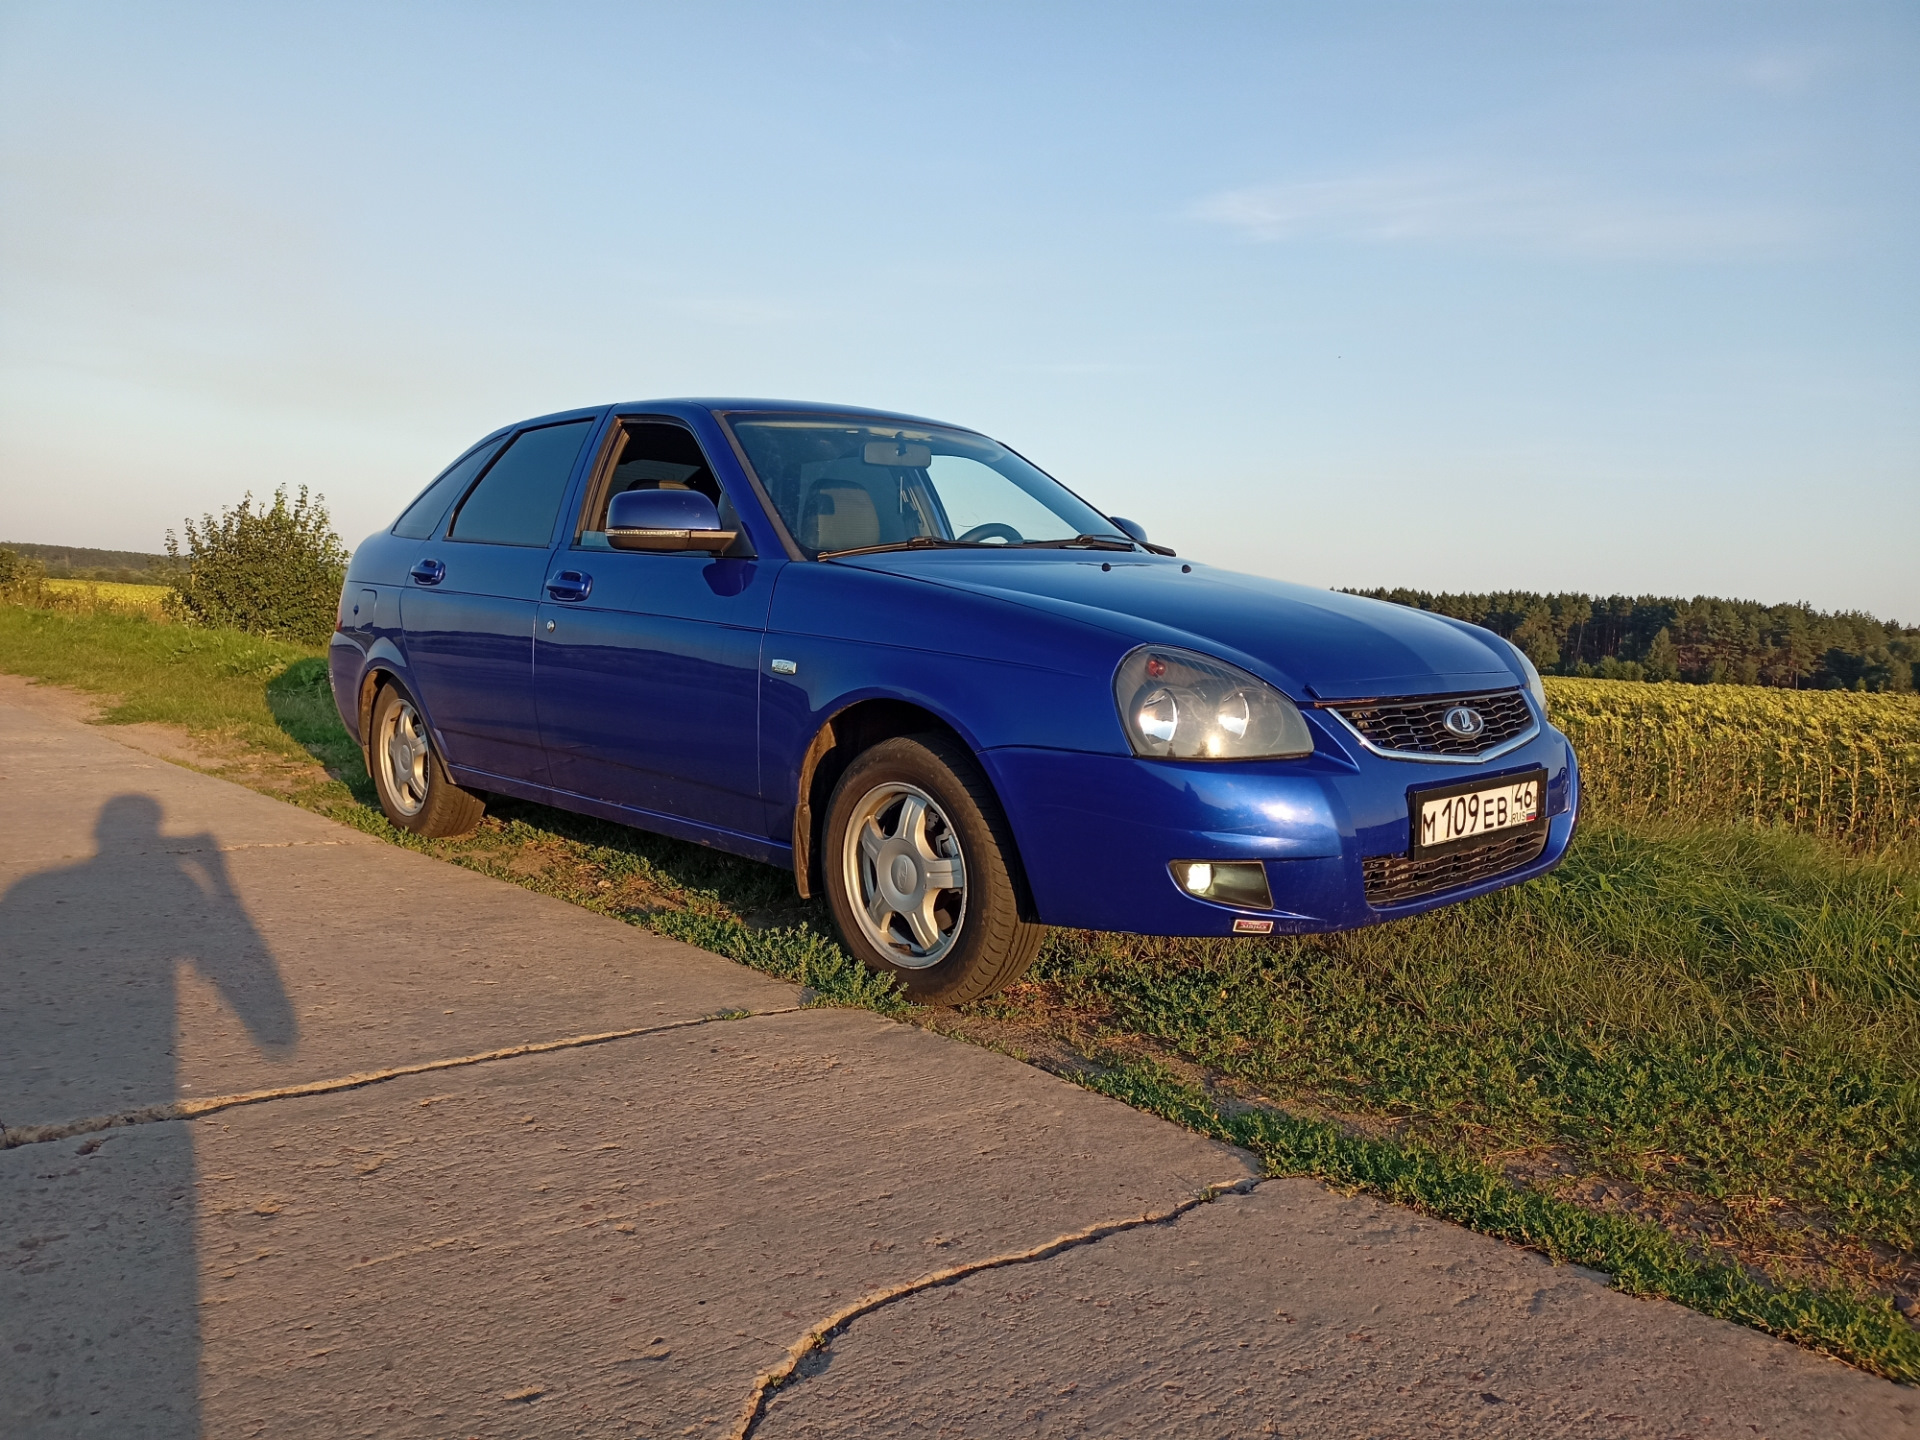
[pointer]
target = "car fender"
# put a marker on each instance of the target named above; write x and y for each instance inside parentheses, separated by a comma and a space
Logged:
(993, 673)
(843, 725)
(386, 661)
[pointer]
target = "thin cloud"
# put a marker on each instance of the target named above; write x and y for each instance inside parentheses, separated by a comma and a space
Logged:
(1454, 206)
(1786, 72)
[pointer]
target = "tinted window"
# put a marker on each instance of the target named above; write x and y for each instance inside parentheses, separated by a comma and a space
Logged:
(423, 517)
(518, 500)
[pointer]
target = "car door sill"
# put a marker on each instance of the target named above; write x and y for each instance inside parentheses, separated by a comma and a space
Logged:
(751, 847)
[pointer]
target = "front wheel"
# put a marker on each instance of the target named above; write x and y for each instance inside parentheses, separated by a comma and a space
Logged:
(918, 869)
(412, 783)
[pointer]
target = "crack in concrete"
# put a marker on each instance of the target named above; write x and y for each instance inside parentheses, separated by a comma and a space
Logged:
(818, 1336)
(11, 1136)
(274, 845)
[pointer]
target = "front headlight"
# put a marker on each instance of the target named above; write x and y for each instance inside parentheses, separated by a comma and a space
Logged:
(1179, 705)
(1534, 686)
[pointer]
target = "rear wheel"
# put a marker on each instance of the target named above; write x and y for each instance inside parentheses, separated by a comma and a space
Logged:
(413, 785)
(918, 869)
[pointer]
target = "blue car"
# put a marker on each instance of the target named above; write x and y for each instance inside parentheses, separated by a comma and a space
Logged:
(895, 657)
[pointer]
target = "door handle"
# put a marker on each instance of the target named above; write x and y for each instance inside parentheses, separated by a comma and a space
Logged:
(429, 572)
(570, 585)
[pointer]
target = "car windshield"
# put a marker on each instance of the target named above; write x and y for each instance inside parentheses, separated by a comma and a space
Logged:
(850, 485)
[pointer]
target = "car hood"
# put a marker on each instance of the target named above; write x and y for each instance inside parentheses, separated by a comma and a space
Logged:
(1316, 644)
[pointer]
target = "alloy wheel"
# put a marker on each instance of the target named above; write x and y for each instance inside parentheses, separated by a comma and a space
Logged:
(401, 753)
(905, 872)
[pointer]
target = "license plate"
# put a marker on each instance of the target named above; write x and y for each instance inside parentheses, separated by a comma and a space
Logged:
(1460, 816)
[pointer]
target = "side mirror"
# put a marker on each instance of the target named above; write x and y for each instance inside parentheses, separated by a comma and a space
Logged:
(666, 520)
(1138, 534)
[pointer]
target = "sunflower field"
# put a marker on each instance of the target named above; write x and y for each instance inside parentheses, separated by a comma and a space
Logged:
(1834, 763)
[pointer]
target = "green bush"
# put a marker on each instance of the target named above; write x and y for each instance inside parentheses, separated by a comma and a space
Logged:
(22, 578)
(269, 569)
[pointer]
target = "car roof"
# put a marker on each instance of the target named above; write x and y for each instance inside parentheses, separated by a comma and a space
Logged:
(810, 407)
(723, 406)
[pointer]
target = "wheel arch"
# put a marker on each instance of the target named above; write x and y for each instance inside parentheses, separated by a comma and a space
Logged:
(385, 670)
(845, 734)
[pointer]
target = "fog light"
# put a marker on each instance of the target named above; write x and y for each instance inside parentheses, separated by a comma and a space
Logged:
(1226, 882)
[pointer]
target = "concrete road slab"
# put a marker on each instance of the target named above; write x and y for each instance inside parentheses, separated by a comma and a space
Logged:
(602, 1241)
(56, 777)
(183, 937)
(1292, 1311)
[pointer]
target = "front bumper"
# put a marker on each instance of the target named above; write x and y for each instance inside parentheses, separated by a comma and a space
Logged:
(1097, 832)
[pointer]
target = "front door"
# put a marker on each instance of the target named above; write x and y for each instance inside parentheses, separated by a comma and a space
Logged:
(469, 608)
(649, 683)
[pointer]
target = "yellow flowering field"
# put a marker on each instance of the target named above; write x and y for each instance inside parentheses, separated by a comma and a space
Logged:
(1833, 763)
(111, 595)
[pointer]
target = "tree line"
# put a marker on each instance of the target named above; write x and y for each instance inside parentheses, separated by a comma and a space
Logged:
(80, 562)
(1703, 640)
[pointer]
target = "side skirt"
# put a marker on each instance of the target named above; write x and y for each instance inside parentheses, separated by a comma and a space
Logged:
(750, 847)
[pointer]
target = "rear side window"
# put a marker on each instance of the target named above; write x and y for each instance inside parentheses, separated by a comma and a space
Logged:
(423, 517)
(518, 500)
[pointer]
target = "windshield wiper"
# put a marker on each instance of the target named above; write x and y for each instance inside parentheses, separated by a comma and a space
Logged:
(1089, 542)
(918, 542)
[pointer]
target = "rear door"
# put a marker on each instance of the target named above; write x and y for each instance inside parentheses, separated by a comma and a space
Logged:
(469, 606)
(648, 682)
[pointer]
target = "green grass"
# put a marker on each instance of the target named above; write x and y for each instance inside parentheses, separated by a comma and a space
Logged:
(210, 682)
(1716, 1024)
(1721, 1014)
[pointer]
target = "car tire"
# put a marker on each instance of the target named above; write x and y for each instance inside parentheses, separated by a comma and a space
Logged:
(408, 775)
(908, 814)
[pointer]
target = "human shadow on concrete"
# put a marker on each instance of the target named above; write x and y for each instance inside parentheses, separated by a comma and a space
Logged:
(99, 1282)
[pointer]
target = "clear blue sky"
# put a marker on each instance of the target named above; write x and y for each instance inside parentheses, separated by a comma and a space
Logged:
(1548, 295)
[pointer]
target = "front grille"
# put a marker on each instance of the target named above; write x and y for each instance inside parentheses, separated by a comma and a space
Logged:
(1395, 879)
(1413, 726)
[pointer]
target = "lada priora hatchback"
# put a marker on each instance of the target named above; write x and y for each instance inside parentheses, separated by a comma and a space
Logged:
(898, 659)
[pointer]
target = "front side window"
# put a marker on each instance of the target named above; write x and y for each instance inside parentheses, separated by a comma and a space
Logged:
(845, 485)
(517, 501)
(650, 455)
(423, 517)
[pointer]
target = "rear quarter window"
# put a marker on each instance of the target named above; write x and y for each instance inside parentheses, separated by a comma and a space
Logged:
(423, 516)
